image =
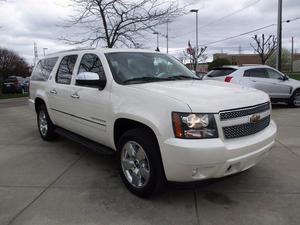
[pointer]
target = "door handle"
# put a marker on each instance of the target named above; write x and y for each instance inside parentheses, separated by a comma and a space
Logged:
(75, 95)
(53, 91)
(253, 80)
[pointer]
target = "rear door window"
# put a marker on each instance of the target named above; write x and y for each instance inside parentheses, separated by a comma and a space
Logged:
(65, 70)
(256, 73)
(43, 69)
(220, 72)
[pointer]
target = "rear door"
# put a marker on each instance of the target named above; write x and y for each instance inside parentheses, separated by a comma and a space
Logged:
(60, 91)
(91, 105)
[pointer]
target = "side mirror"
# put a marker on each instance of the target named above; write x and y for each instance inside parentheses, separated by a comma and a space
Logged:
(283, 78)
(90, 79)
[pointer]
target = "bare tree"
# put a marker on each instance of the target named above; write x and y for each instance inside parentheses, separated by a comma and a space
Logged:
(264, 47)
(195, 58)
(117, 21)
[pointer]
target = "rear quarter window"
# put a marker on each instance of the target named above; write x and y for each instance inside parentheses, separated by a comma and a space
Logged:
(220, 72)
(43, 69)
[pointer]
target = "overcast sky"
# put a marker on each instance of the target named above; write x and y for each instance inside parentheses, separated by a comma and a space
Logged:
(24, 22)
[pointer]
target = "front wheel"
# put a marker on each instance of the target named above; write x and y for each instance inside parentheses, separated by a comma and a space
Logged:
(140, 163)
(295, 99)
(45, 125)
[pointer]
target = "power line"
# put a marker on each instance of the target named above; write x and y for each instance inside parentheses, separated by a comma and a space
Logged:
(239, 35)
(222, 18)
(248, 32)
(230, 14)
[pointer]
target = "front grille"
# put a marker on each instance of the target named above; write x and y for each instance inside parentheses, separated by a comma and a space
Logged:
(236, 122)
(244, 112)
(246, 129)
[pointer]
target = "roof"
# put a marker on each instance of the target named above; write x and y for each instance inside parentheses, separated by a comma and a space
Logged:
(104, 50)
(245, 66)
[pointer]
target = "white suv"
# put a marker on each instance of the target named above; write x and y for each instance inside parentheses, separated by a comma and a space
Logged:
(279, 86)
(162, 121)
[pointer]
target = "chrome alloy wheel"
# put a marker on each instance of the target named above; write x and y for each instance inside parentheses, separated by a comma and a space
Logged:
(297, 99)
(43, 124)
(135, 164)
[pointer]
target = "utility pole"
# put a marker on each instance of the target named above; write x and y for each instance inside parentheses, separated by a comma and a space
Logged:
(197, 44)
(35, 51)
(167, 36)
(240, 49)
(157, 41)
(292, 55)
(279, 34)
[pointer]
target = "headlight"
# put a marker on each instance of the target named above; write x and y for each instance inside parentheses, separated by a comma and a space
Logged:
(194, 125)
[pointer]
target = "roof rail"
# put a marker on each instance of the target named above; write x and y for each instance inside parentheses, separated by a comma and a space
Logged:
(251, 65)
(70, 50)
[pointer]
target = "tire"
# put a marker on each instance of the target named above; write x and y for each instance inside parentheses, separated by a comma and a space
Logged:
(295, 99)
(45, 125)
(140, 163)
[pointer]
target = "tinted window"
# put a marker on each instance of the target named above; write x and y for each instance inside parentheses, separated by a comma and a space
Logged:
(92, 63)
(273, 74)
(259, 72)
(65, 70)
(43, 69)
(219, 72)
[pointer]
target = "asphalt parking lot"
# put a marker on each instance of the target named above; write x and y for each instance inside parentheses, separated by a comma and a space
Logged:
(63, 183)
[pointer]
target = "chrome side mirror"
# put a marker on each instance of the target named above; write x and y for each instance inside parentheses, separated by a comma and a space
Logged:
(90, 79)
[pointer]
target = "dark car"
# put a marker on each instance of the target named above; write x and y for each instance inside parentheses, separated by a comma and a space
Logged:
(13, 84)
(25, 84)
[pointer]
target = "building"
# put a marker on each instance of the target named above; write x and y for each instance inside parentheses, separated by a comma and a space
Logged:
(201, 67)
(238, 59)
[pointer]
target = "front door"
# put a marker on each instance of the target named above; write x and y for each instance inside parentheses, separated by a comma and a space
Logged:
(91, 105)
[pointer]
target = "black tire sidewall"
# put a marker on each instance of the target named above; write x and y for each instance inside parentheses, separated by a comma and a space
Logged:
(291, 103)
(149, 144)
(50, 135)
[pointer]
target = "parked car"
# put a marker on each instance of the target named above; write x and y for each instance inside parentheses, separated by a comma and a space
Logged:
(279, 86)
(13, 84)
(199, 74)
(25, 84)
(162, 121)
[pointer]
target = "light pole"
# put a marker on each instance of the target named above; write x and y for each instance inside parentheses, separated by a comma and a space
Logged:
(44, 50)
(197, 46)
(157, 41)
(167, 36)
(279, 34)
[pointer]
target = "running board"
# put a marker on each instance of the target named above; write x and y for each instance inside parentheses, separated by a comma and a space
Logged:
(84, 141)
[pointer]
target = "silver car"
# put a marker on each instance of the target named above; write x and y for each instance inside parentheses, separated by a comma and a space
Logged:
(279, 86)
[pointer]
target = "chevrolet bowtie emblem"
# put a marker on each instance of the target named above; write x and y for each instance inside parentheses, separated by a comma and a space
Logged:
(254, 118)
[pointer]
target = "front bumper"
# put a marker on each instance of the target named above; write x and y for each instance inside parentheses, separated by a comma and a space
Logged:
(192, 160)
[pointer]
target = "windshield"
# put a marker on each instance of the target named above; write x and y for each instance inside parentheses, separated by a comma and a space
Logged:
(141, 67)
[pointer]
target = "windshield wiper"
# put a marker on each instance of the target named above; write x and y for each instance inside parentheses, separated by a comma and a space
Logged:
(183, 77)
(144, 79)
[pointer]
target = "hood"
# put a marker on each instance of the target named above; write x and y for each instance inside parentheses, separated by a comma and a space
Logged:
(207, 95)
(293, 83)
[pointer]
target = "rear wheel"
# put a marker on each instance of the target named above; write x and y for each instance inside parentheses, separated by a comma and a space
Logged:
(140, 163)
(295, 99)
(45, 125)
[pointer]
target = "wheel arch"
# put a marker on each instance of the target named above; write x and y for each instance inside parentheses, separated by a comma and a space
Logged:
(122, 125)
(37, 102)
